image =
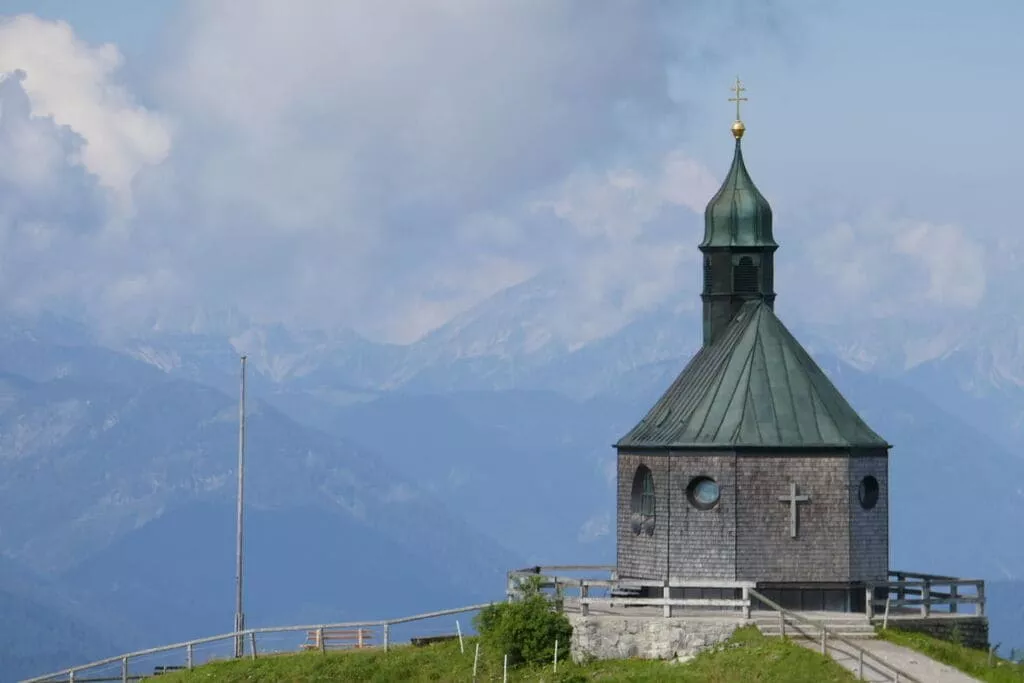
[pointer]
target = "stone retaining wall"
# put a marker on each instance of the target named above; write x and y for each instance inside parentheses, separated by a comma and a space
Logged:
(618, 637)
(969, 631)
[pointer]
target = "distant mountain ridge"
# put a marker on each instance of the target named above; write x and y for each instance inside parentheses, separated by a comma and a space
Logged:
(484, 445)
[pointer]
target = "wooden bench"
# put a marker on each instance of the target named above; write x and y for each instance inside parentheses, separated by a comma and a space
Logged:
(338, 639)
(161, 670)
(429, 640)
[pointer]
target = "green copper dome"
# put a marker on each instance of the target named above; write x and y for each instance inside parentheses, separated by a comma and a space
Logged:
(738, 215)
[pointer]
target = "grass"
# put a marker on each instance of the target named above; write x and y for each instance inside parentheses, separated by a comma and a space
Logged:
(748, 657)
(970, 661)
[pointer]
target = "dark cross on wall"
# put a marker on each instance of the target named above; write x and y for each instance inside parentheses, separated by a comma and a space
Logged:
(793, 500)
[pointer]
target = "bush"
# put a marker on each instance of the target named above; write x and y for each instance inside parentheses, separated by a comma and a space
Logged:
(526, 629)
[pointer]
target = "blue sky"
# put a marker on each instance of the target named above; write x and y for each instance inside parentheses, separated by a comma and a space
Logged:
(387, 167)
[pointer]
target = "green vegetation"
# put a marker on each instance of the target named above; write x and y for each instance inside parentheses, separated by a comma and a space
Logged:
(747, 658)
(527, 629)
(970, 661)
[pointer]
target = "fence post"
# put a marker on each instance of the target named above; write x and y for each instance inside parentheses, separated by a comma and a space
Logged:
(188, 656)
(666, 594)
(476, 658)
(746, 602)
(320, 640)
(504, 671)
(782, 625)
(584, 594)
(458, 629)
(824, 636)
(124, 670)
(869, 601)
(860, 665)
(926, 598)
(981, 599)
(387, 636)
(71, 676)
(252, 643)
(359, 638)
(954, 598)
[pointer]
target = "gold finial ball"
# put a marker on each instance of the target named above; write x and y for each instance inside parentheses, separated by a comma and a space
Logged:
(738, 129)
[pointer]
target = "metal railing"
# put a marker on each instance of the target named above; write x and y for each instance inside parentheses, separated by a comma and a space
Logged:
(188, 654)
(828, 637)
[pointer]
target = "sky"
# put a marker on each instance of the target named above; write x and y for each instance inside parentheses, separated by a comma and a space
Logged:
(385, 167)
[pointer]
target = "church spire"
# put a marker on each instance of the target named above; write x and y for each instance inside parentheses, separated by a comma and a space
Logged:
(738, 245)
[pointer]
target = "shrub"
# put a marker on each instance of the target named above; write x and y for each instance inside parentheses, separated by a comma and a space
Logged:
(525, 629)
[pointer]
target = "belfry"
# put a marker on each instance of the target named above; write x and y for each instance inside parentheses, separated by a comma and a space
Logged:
(752, 466)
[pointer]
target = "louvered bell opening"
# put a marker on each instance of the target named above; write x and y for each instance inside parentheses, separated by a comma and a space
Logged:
(744, 277)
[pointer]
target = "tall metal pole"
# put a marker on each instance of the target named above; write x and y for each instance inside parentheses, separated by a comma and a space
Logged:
(239, 614)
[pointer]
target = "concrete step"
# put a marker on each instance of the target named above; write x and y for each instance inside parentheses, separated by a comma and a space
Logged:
(815, 634)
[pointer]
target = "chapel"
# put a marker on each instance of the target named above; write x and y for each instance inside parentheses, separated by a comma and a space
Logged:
(752, 466)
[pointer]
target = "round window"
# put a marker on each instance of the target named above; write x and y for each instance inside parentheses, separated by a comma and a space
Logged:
(868, 492)
(703, 492)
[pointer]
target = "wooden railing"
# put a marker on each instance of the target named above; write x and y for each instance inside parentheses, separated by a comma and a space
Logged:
(828, 638)
(924, 592)
(585, 589)
(186, 652)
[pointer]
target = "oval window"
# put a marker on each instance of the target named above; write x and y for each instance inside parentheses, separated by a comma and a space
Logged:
(868, 493)
(703, 492)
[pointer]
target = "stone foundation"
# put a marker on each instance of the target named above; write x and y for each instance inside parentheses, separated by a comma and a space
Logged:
(652, 637)
(968, 631)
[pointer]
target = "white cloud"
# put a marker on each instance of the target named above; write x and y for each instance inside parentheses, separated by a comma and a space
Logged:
(367, 164)
(954, 264)
(881, 267)
(595, 528)
(74, 84)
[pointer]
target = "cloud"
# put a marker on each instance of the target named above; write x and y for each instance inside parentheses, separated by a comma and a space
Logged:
(74, 84)
(353, 158)
(881, 267)
(377, 165)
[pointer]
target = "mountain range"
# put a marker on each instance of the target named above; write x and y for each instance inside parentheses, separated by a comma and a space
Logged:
(387, 479)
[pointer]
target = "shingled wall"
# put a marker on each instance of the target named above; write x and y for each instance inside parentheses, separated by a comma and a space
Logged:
(746, 536)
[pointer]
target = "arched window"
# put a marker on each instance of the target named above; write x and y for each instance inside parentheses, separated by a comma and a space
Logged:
(643, 501)
(868, 492)
(744, 276)
(707, 274)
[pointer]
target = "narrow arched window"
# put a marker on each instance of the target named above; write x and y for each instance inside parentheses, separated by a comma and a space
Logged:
(707, 274)
(643, 501)
(744, 276)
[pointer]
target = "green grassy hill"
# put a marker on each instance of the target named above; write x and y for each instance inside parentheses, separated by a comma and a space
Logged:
(747, 658)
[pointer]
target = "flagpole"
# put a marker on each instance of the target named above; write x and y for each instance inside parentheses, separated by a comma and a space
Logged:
(239, 614)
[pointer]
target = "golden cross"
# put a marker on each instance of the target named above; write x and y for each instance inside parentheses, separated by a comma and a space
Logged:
(738, 88)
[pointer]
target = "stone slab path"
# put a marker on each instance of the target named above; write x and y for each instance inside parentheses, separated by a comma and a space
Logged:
(923, 668)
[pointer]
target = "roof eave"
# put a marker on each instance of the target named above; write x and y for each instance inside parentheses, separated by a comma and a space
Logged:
(714, 446)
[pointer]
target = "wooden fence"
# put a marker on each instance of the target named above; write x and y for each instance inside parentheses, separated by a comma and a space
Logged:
(599, 593)
(919, 594)
(185, 654)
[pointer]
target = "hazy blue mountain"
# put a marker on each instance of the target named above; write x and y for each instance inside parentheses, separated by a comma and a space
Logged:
(304, 564)
(533, 468)
(113, 474)
(433, 466)
(43, 625)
